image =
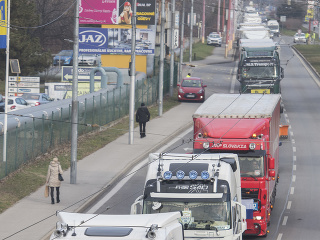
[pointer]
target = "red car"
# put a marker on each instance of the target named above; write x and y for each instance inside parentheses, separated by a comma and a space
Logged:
(191, 88)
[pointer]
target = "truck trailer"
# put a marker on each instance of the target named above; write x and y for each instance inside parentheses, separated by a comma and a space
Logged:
(247, 125)
(163, 226)
(259, 69)
(205, 188)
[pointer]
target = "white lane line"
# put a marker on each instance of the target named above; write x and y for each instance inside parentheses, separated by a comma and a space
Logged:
(294, 158)
(292, 191)
(294, 167)
(286, 115)
(285, 219)
(291, 134)
(289, 205)
(293, 141)
(293, 178)
(279, 236)
(294, 149)
(117, 187)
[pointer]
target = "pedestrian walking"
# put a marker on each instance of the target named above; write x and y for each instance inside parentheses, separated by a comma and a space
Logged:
(188, 75)
(142, 117)
(53, 181)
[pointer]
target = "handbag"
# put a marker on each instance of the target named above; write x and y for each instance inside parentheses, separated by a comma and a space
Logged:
(60, 177)
(46, 191)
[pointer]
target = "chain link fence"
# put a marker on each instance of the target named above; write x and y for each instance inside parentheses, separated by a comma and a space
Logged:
(38, 135)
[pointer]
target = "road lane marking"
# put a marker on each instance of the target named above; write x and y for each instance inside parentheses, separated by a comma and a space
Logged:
(279, 236)
(285, 219)
(294, 158)
(292, 190)
(289, 204)
(294, 149)
(294, 167)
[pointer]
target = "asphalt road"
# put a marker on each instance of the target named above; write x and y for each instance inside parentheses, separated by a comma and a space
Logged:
(295, 215)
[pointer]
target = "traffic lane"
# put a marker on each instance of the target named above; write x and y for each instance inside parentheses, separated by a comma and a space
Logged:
(301, 99)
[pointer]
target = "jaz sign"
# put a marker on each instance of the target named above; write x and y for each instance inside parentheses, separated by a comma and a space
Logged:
(93, 40)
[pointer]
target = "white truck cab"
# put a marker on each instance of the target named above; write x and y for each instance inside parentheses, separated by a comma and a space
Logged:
(163, 226)
(206, 188)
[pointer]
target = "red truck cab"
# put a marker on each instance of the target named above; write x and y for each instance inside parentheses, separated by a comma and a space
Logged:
(247, 125)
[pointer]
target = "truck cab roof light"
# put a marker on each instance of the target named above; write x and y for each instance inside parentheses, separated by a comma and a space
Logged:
(180, 174)
(206, 145)
(254, 135)
(193, 174)
(167, 175)
(205, 134)
(205, 175)
(252, 146)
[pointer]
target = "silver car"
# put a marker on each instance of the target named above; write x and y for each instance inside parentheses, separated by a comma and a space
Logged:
(89, 59)
(214, 39)
(36, 99)
(299, 38)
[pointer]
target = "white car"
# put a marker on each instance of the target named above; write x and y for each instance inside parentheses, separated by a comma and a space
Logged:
(36, 99)
(214, 39)
(299, 38)
(89, 59)
(16, 103)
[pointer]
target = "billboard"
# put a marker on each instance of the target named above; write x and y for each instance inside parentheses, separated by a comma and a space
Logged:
(115, 41)
(116, 12)
(3, 23)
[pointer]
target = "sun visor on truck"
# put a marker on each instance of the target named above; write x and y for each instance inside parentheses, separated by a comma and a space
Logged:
(230, 161)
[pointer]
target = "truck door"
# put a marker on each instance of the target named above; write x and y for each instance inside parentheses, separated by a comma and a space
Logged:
(238, 220)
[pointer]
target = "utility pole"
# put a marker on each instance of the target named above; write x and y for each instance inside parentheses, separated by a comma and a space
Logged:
(163, 18)
(132, 73)
(219, 17)
(191, 31)
(181, 41)
(75, 102)
(5, 127)
(203, 20)
(223, 15)
(173, 18)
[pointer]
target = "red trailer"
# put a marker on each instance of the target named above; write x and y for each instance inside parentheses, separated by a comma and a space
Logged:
(246, 124)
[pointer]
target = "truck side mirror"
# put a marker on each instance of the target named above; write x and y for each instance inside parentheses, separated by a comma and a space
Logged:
(271, 163)
(136, 207)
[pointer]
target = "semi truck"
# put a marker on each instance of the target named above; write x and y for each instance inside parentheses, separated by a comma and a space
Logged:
(205, 188)
(247, 125)
(163, 226)
(273, 25)
(259, 69)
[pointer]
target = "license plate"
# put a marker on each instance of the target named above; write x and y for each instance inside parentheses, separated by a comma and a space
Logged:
(191, 95)
(260, 91)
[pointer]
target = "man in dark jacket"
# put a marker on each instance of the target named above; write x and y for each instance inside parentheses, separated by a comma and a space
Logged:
(142, 117)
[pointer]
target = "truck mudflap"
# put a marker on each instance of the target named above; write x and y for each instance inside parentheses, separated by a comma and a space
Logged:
(256, 228)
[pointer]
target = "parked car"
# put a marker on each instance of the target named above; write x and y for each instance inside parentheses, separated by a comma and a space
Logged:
(191, 88)
(89, 59)
(63, 58)
(299, 38)
(214, 39)
(36, 99)
(16, 103)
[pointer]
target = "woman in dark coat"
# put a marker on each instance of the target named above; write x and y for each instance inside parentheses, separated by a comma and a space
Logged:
(142, 117)
(52, 178)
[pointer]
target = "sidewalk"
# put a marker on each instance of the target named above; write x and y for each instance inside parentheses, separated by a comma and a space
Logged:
(34, 217)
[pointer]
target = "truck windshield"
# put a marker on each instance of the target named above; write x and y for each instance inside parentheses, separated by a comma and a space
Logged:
(251, 166)
(260, 72)
(196, 215)
(273, 27)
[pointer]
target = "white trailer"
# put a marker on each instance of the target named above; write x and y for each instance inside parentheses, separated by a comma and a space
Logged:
(206, 188)
(162, 226)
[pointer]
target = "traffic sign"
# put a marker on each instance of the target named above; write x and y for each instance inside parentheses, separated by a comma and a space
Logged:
(83, 74)
(315, 23)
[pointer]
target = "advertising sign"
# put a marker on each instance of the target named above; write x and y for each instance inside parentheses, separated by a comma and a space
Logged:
(83, 74)
(19, 85)
(116, 12)
(3, 23)
(115, 41)
(98, 11)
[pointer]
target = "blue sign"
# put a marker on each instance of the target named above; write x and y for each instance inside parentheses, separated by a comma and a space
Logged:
(3, 23)
(115, 41)
(93, 40)
(83, 74)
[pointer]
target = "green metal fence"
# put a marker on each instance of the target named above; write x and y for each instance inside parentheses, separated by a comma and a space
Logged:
(38, 135)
